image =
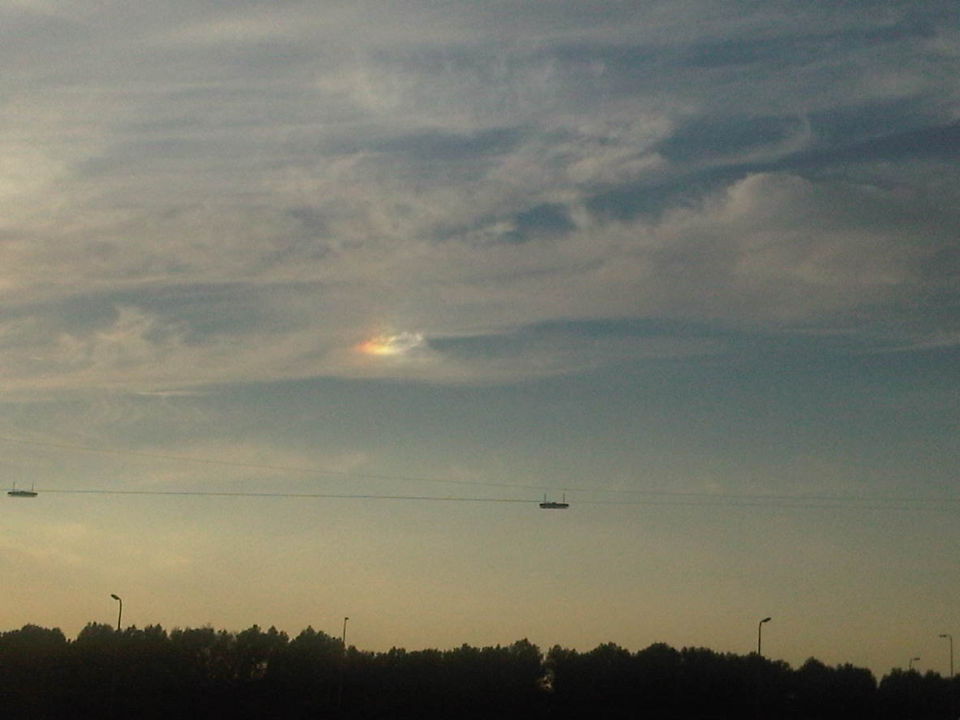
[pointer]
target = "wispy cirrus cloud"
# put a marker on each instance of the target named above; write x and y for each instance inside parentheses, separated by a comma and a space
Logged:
(199, 193)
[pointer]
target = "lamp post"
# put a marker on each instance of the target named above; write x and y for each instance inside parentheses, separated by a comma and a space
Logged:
(912, 661)
(949, 637)
(343, 662)
(120, 611)
(760, 635)
(953, 692)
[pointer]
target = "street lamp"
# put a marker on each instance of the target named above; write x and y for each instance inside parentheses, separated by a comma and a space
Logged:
(949, 637)
(912, 661)
(343, 662)
(120, 611)
(760, 635)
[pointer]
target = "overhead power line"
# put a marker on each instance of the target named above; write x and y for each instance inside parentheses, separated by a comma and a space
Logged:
(266, 494)
(639, 496)
(267, 466)
(705, 502)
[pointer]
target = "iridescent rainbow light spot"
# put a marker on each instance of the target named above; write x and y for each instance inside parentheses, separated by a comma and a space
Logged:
(391, 344)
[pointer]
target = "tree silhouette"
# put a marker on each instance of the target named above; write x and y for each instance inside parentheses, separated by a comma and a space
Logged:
(202, 672)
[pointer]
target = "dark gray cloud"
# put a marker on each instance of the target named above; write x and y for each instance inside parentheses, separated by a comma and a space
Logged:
(938, 142)
(543, 221)
(652, 341)
(706, 138)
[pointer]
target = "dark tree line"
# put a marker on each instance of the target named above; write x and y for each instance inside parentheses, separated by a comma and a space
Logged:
(202, 672)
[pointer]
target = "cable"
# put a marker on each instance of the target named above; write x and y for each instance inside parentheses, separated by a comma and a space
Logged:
(241, 493)
(266, 466)
(682, 497)
(793, 503)
(716, 502)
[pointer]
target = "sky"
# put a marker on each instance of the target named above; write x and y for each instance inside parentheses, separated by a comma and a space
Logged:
(399, 270)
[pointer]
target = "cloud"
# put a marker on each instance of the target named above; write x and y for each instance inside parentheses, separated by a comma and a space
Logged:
(745, 256)
(203, 194)
(391, 345)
